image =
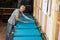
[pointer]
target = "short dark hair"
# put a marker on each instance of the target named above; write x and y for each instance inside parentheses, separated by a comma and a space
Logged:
(20, 6)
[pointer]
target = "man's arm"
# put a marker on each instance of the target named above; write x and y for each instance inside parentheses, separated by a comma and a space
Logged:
(17, 18)
(27, 17)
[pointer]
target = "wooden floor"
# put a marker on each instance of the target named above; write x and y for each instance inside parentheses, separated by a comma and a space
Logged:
(2, 30)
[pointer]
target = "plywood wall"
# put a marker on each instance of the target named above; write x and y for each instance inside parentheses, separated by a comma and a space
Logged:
(47, 22)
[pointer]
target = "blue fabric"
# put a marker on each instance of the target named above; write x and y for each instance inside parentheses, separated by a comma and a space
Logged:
(26, 25)
(27, 32)
(27, 38)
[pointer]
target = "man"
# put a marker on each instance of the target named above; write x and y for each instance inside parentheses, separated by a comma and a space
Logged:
(15, 17)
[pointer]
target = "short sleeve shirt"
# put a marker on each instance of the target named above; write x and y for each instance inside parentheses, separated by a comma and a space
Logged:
(12, 19)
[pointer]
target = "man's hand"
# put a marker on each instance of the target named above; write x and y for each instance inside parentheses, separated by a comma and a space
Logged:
(25, 22)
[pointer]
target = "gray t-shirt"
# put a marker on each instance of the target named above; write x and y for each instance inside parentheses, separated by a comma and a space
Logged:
(12, 19)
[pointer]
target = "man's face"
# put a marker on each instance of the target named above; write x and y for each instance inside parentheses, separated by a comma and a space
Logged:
(22, 8)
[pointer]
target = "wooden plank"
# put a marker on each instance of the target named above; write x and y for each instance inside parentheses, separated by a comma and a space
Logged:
(45, 23)
(7, 8)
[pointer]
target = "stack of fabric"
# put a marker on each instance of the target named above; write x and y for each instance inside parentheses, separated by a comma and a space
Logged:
(27, 31)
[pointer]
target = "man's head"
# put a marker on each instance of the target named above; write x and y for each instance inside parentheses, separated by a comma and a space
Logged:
(22, 8)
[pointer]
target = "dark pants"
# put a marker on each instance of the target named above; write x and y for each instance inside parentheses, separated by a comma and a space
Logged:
(9, 29)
